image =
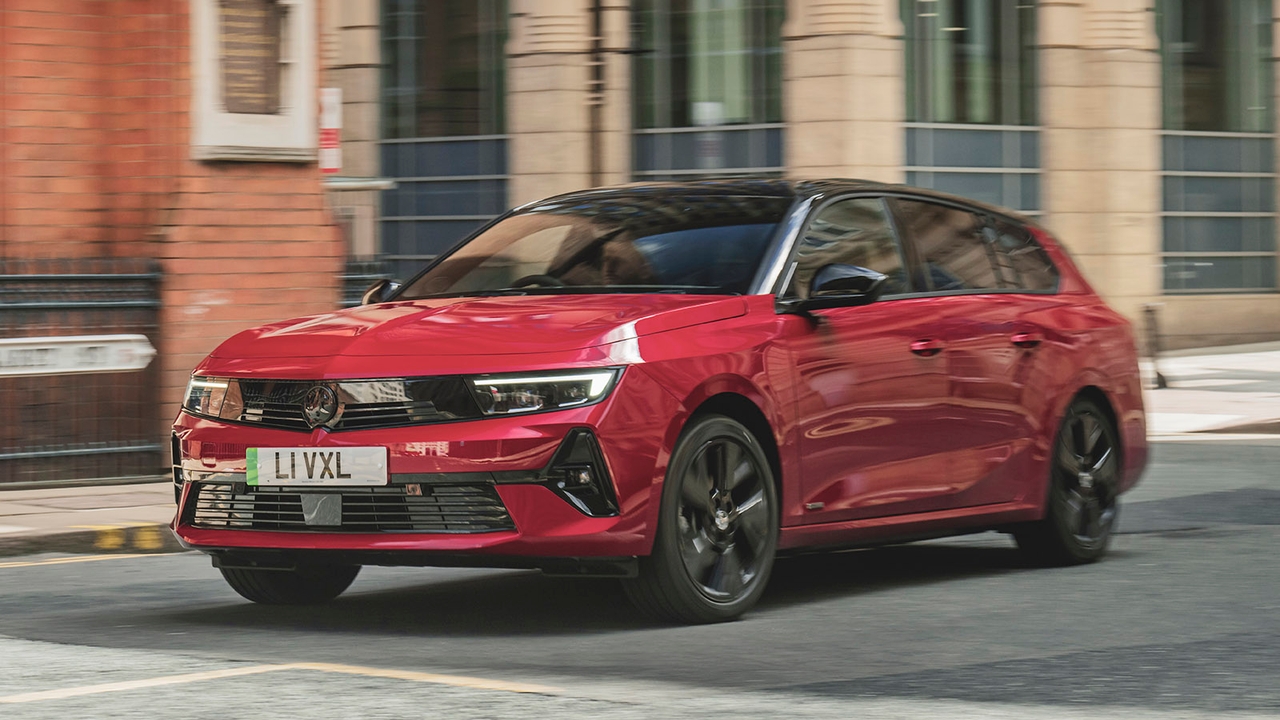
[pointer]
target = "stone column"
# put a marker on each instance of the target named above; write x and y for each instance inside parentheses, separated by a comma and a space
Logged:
(1100, 107)
(843, 89)
(548, 96)
(353, 62)
(615, 141)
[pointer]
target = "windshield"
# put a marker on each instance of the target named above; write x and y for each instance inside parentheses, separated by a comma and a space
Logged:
(617, 244)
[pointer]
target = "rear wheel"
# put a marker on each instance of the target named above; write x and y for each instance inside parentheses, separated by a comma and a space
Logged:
(307, 585)
(1084, 482)
(717, 528)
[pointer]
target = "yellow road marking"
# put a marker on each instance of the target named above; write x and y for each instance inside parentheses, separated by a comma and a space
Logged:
(139, 684)
(113, 526)
(76, 559)
(454, 680)
(409, 675)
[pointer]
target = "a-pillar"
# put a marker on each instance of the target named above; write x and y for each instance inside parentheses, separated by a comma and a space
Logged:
(1101, 118)
(843, 92)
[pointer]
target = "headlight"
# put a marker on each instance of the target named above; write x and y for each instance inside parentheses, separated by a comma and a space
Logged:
(530, 392)
(213, 397)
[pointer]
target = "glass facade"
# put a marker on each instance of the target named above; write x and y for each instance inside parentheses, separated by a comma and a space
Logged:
(971, 99)
(444, 63)
(443, 117)
(970, 61)
(1219, 146)
(703, 64)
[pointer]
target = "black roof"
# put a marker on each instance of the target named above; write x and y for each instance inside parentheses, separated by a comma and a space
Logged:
(760, 187)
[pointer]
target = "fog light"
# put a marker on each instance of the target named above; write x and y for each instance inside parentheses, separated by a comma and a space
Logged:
(578, 474)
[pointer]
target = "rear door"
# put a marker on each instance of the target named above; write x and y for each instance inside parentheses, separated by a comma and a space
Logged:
(981, 273)
(872, 399)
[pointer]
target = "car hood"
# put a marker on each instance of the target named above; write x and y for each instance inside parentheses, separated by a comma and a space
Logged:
(479, 326)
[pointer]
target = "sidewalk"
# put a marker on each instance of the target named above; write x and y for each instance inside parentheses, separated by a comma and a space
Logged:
(1232, 390)
(101, 519)
(1216, 390)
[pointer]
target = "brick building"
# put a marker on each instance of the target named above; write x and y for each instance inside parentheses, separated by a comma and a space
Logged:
(117, 142)
(1142, 131)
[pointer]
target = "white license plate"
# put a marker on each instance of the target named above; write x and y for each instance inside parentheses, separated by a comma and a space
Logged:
(316, 467)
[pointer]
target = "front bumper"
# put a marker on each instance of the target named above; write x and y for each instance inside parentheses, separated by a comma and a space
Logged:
(510, 456)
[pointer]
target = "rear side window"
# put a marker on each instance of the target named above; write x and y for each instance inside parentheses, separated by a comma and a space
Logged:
(960, 250)
(951, 244)
(1020, 261)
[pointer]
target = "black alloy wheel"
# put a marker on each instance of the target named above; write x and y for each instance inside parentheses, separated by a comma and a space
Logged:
(305, 585)
(717, 529)
(1084, 488)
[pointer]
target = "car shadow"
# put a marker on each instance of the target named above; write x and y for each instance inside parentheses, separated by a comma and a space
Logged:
(529, 603)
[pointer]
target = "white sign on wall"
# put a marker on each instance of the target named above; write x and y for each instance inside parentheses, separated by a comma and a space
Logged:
(75, 354)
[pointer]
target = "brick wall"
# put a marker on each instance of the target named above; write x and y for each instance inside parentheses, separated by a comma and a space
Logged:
(95, 161)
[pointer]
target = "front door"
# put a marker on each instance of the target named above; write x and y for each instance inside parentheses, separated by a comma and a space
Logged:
(872, 397)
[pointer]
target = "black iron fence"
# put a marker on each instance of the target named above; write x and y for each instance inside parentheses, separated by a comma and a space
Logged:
(82, 425)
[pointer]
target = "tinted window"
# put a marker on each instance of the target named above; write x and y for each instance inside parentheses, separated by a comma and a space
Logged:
(850, 232)
(1020, 261)
(611, 243)
(952, 246)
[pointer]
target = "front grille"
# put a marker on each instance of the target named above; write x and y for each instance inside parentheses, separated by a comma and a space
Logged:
(469, 508)
(364, 404)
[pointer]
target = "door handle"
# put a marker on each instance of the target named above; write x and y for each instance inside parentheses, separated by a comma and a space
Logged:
(1027, 339)
(927, 348)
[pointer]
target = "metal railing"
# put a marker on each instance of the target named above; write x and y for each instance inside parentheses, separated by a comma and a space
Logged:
(81, 427)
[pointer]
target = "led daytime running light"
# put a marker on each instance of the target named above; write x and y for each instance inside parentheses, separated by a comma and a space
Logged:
(599, 381)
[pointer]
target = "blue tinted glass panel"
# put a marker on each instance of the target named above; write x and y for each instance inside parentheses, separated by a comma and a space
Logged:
(1219, 273)
(1219, 194)
(1193, 234)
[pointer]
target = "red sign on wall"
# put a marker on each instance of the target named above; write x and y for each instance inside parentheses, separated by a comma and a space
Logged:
(330, 130)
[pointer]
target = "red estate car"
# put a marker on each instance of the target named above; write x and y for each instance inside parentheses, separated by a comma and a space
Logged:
(671, 384)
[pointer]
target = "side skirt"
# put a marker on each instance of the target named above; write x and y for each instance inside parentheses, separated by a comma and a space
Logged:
(906, 528)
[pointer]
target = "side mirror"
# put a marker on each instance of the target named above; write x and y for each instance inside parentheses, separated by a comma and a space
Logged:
(379, 292)
(838, 285)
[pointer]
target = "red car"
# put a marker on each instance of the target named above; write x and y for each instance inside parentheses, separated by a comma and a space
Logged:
(672, 384)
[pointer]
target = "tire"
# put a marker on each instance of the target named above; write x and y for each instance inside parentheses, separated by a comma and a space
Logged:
(717, 528)
(307, 585)
(1082, 504)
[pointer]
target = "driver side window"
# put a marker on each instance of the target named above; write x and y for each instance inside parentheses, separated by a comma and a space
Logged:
(850, 232)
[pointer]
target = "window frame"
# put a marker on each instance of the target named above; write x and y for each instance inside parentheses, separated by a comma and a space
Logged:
(793, 263)
(810, 207)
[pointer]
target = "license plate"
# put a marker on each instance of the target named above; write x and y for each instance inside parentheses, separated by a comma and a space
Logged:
(316, 467)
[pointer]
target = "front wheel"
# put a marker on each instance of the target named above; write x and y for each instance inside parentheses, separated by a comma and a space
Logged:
(1084, 490)
(717, 528)
(306, 585)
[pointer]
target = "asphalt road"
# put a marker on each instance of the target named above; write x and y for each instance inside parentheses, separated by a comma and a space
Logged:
(1182, 620)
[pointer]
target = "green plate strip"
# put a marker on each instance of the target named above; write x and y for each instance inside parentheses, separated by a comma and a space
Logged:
(251, 466)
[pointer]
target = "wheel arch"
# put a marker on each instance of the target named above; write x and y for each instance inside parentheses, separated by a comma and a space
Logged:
(1087, 388)
(742, 409)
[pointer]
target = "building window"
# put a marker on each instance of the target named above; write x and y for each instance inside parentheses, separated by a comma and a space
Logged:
(707, 83)
(1217, 65)
(707, 62)
(971, 99)
(443, 67)
(253, 90)
(1219, 217)
(443, 114)
(970, 61)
